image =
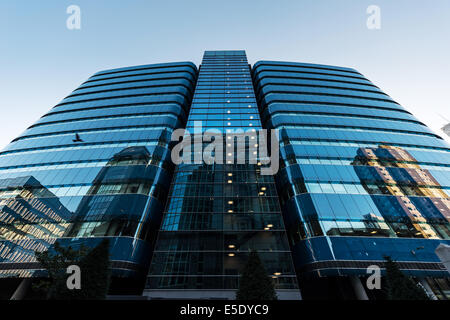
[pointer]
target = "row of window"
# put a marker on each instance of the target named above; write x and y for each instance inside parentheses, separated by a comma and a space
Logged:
(154, 134)
(173, 98)
(149, 71)
(293, 140)
(402, 209)
(110, 110)
(129, 80)
(370, 188)
(229, 204)
(99, 118)
(352, 161)
(302, 115)
(280, 77)
(295, 83)
(326, 133)
(338, 110)
(353, 129)
(131, 85)
(222, 221)
(50, 156)
(215, 282)
(92, 135)
(89, 145)
(367, 228)
(88, 190)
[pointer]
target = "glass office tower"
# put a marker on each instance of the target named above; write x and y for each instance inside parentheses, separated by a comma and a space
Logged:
(95, 166)
(217, 213)
(362, 178)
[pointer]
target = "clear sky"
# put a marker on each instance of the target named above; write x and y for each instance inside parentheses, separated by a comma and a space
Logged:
(42, 61)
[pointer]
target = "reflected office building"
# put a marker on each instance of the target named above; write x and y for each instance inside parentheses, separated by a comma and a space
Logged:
(125, 202)
(418, 206)
(28, 211)
(360, 178)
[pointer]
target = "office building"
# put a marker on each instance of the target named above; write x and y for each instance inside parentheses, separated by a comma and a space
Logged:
(360, 179)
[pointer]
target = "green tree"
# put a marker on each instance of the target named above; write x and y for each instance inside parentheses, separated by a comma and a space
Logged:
(399, 286)
(254, 283)
(97, 272)
(94, 267)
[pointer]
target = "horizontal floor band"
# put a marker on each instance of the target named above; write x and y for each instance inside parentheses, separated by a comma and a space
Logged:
(352, 264)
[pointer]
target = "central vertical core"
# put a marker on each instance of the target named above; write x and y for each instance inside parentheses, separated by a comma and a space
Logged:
(218, 213)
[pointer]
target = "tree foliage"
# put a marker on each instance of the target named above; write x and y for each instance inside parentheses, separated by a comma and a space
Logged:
(254, 283)
(94, 266)
(399, 286)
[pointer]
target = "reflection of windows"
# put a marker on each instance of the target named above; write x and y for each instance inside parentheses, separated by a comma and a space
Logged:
(370, 188)
(122, 188)
(105, 189)
(123, 228)
(406, 185)
(313, 187)
(371, 226)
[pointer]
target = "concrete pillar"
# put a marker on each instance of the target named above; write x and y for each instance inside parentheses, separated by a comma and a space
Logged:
(427, 288)
(21, 290)
(360, 292)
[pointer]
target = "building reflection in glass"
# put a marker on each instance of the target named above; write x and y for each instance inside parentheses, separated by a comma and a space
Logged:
(117, 203)
(409, 198)
(125, 200)
(31, 219)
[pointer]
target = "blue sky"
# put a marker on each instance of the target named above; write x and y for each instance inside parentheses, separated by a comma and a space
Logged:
(42, 61)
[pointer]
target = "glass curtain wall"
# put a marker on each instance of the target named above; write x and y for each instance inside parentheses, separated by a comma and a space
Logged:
(217, 213)
(361, 177)
(96, 166)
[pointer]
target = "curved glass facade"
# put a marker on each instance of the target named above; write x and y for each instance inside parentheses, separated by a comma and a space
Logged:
(361, 177)
(96, 165)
